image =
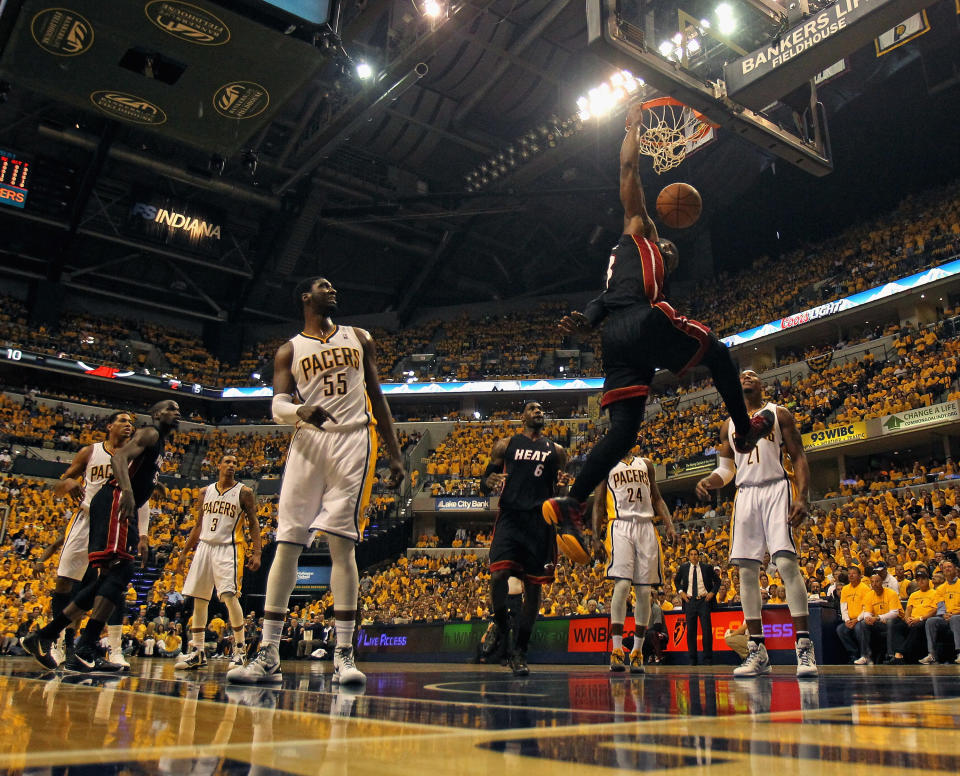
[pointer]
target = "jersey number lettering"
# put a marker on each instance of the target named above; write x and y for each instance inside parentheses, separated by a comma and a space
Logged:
(214, 521)
(754, 459)
(634, 495)
(329, 388)
(538, 471)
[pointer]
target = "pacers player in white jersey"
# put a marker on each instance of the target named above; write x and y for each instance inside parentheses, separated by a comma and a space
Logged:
(218, 562)
(325, 383)
(767, 507)
(627, 502)
(85, 475)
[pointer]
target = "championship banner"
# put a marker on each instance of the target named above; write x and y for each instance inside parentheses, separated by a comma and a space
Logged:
(699, 465)
(461, 504)
(834, 435)
(907, 30)
(923, 416)
(821, 362)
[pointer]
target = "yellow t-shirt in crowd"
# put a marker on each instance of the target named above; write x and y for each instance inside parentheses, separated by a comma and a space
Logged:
(853, 598)
(877, 605)
(924, 603)
(950, 595)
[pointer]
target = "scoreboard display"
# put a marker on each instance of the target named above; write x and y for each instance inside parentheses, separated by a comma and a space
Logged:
(14, 179)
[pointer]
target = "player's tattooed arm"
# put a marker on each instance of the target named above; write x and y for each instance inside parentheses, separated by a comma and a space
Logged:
(636, 219)
(660, 506)
(69, 485)
(494, 476)
(381, 410)
(793, 443)
(249, 506)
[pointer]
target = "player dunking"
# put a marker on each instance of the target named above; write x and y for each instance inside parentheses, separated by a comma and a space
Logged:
(642, 332)
(114, 538)
(526, 466)
(93, 462)
(628, 500)
(329, 473)
(765, 512)
(218, 562)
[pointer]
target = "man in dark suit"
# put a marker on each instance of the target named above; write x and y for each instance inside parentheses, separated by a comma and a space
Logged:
(697, 584)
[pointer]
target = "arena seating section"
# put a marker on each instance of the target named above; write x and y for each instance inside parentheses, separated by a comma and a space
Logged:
(875, 515)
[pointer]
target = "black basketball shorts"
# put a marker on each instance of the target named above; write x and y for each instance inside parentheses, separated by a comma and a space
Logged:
(524, 544)
(112, 537)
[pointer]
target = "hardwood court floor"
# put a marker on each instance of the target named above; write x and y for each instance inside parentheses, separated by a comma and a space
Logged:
(465, 720)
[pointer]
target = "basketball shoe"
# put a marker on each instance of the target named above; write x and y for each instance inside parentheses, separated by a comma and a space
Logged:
(806, 660)
(117, 657)
(238, 656)
(85, 660)
(566, 515)
(40, 648)
(618, 660)
(191, 661)
(756, 662)
(265, 667)
(761, 424)
(636, 662)
(345, 670)
(518, 663)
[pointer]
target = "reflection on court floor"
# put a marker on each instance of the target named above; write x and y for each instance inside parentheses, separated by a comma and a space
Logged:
(466, 720)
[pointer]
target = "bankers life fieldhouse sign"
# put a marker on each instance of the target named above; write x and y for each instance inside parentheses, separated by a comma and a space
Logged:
(815, 43)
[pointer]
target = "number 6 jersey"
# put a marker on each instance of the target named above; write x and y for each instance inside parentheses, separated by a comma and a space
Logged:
(329, 373)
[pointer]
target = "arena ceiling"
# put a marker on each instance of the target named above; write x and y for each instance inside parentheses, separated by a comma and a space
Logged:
(366, 181)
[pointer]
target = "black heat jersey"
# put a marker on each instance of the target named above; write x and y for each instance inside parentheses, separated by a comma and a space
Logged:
(531, 468)
(635, 275)
(113, 536)
(143, 471)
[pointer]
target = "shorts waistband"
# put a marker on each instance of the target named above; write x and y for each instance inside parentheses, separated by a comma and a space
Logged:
(762, 484)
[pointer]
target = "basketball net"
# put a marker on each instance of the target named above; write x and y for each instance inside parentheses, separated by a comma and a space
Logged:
(669, 126)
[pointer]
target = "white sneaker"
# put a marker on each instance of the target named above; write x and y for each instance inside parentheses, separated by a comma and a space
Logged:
(117, 657)
(237, 658)
(863, 660)
(807, 660)
(755, 663)
(265, 667)
(318, 654)
(957, 659)
(57, 652)
(929, 660)
(345, 671)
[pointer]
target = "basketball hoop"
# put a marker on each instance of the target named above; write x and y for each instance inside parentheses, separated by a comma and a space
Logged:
(669, 127)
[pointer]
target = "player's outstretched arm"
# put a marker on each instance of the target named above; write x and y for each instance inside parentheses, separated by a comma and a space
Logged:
(140, 441)
(381, 410)
(725, 471)
(69, 484)
(659, 505)
(598, 518)
(193, 538)
(636, 219)
(249, 506)
(493, 475)
(793, 442)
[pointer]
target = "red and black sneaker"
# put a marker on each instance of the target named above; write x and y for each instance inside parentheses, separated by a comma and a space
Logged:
(566, 515)
(761, 424)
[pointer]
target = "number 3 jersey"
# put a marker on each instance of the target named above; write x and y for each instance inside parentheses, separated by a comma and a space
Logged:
(221, 514)
(329, 373)
(531, 467)
(628, 491)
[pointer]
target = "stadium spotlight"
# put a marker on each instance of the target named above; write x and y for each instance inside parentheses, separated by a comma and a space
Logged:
(603, 99)
(432, 8)
(726, 22)
(364, 71)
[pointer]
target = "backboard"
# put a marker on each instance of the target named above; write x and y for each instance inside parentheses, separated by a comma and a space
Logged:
(749, 66)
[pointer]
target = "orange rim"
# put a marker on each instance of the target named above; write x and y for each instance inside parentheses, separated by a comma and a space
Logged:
(661, 102)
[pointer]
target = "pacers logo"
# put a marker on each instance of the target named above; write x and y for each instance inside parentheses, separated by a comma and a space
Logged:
(128, 107)
(62, 32)
(187, 22)
(241, 100)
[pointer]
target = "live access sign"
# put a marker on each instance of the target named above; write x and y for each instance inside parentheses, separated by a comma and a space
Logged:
(922, 416)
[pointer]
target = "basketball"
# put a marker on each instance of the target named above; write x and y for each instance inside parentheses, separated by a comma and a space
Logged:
(679, 205)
